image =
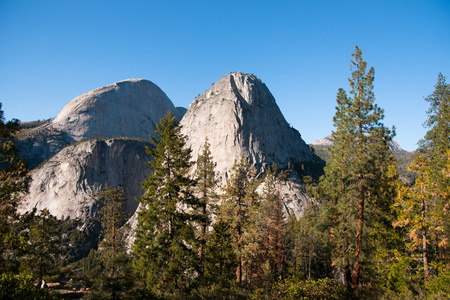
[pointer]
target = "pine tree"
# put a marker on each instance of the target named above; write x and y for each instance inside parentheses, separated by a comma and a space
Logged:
(355, 179)
(220, 258)
(14, 182)
(239, 200)
(41, 243)
(165, 232)
(207, 182)
(112, 250)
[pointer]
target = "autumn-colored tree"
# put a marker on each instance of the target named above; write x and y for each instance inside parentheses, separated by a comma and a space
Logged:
(423, 209)
(271, 230)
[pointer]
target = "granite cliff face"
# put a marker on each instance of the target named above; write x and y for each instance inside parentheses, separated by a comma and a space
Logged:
(129, 108)
(67, 183)
(240, 117)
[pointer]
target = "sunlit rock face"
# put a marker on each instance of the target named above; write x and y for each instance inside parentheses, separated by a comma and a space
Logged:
(240, 117)
(67, 184)
(129, 108)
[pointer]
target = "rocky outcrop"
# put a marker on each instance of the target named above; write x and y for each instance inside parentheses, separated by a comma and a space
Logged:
(240, 117)
(129, 108)
(67, 183)
(326, 142)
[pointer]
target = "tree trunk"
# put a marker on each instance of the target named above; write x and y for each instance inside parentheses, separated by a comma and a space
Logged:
(359, 231)
(239, 266)
(424, 239)
(201, 253)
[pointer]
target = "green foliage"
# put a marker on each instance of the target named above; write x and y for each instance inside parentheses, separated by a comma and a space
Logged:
(206, 185)
(16, 287)
(166, 232)
(239, 202)
(359, 180)
(220, 258)
(14, 182)
(326, 288)
(310, 250)
(41, 244)
(110, 264)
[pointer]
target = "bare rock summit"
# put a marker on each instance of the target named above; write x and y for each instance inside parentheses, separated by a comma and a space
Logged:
(240, 117)
(129, 108)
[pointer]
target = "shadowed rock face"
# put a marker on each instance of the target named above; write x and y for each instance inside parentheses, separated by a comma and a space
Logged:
(129, 108)
(67, 183)
(240, 117)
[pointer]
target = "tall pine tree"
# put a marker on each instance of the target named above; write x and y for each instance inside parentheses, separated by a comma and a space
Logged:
(356, 179)
(112, 250)
(239, 200)
(207, 182)
(14, 182)
(166, 232)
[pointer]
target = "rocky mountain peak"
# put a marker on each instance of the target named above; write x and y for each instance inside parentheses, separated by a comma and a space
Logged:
(126, 108)
(240, 117)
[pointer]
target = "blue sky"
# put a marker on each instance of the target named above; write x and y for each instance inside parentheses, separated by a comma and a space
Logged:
(53, 51)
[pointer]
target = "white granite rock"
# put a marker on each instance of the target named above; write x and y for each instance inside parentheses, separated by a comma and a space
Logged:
(68, 182)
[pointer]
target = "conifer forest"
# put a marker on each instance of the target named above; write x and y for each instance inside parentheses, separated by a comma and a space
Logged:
(365, 234)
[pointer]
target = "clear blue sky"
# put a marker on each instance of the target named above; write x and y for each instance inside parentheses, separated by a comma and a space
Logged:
(53, 51)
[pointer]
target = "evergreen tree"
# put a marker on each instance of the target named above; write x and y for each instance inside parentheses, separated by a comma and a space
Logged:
(112, 251)
(207, 181)
(41, 243)
(356, 180)
(165, 232)
(239, 200)
(309, 250)
(220, 258)
(14, 182)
